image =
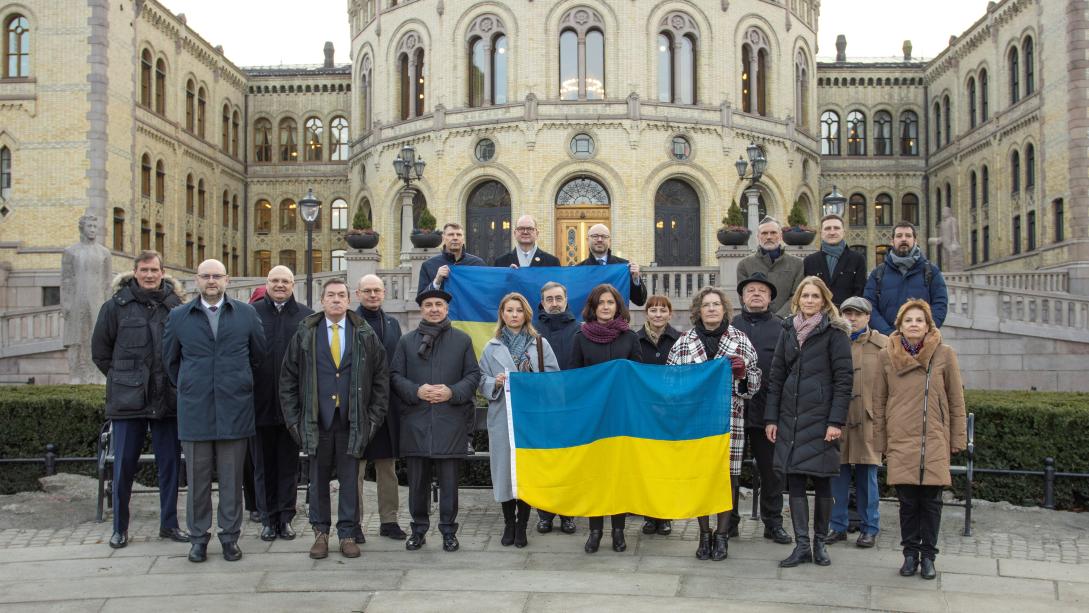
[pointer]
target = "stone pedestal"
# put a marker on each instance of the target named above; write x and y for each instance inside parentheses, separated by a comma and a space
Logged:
(803, 250)
(1079, 279)
(415, 258)
(728, 259)
(361, 262)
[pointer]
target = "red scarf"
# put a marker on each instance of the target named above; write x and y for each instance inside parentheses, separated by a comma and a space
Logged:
(604, 332)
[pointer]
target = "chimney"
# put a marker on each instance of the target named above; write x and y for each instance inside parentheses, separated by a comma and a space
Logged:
(907, 50)
(328, 54)
(841, 48)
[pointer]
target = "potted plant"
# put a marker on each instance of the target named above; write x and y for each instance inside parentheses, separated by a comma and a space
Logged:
(798, 232)
(362, 234)
(733, 232)
(424, 235)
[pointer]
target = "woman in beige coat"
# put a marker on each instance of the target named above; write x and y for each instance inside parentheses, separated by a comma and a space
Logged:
(919, 422)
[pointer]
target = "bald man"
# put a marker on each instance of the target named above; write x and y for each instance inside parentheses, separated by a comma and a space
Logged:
(212, 346)
(601, 254)
(526, 252)
(275, 454)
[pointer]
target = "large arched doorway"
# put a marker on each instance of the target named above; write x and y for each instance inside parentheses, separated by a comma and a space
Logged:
(676, 224)
(488, 221)
(580, 203)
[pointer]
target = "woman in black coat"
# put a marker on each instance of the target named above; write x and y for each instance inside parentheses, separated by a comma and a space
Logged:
(603, 336)
(808, 395)
(656, 338)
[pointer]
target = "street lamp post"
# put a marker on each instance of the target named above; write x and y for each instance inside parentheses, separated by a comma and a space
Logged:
(409, 167)
(759, 163)
(309, 207)
(832, 204)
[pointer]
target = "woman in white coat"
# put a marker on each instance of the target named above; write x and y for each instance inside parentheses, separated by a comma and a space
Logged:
(517, 347)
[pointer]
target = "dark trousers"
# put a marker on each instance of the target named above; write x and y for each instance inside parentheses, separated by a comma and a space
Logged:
(598, 523)
(920, 519)
(419, 492)
(546, 516)
(275, 474)
(128, 442)
(771, 484)
(822, 486)
(249, 486)
(332, 454)
(227, 458)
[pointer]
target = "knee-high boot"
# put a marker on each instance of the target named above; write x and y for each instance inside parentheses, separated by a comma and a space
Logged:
(520, 523)
(799, 515)
(821, 516)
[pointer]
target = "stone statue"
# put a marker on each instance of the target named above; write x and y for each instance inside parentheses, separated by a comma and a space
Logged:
(86, 269)
(949, 242)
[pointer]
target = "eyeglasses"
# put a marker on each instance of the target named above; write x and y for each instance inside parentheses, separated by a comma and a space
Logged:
(206, 277)
(525, 229)
(371, 291)
(599, 237)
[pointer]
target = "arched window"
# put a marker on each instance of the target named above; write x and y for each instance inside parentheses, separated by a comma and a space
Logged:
(145, 176)
(754, 72)
(288, 218)
(118, 229)
(160, 88)
(201, 114)
(1029, 55)
(338, 139)
(234, 212)
(973, 194)
(677, 38)
(937, 125)
(286, 257)
(262, 262)
(190, 104)
(1030, 166)
(225, 129)
(160, 240)
(971, 102)
(145, 78)
(262, 140)
(315, 260)
(909, 208)
(225, 216)
(1015, 172)
(190, 194)
(263, 217)
(1015, 76)
(985, 186)
(801, 89)
(909, 133)
(236, 120)
(5, 173)
(312, 143)
(160, 182)
(202, 199)
(882, 133)
(488, 54)
(948, 119)
(410, 62)
(882, 210)
(829, 133)
(189, 248)
(367, 78)
(289, 152)
(488, 229)
(676, 224)
(856, 133)
(582, 55)
(984, 97)
(16, 47)
(339, 259)
(340, 214)
(856, 210)
(145, 235)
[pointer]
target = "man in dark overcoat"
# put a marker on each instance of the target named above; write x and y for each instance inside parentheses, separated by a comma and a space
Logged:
(601, 253)
(841, 269)
(526, 252)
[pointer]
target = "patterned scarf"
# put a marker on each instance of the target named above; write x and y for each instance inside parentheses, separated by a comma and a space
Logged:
(604, 332)
(652, 336)
(428, 333)
(517, 343)
(913, 350)
(804, 327)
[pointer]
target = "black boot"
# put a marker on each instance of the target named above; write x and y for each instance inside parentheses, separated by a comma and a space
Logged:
(799, 516)
(927, 570)
(911, 564)
(508, 524)
(703, 552)
(593, 541)
(619, 544)
(821, 515)
(721, 548)
(521, 520)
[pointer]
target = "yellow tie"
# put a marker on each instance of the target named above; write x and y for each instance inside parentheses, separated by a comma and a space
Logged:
(334, 346)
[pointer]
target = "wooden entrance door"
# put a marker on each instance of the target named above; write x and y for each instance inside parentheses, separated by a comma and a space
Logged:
(572, 225)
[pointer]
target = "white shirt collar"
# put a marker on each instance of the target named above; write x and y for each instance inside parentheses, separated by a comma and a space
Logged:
(341, 323)
(206, 305)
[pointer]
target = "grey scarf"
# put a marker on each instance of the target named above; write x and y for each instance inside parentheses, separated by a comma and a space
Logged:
(905, 262)
(832, 254)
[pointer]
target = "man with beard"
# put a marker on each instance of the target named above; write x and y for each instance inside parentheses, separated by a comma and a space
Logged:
(602, 254)
(841, 269)
(783, 270)
(905, 274)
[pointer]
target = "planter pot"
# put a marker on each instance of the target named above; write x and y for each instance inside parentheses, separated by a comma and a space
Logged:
(798, 238)
(733, 238)
(425, 240)
(362, 241)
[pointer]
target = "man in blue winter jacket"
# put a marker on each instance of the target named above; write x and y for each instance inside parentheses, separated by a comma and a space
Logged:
(905, 274)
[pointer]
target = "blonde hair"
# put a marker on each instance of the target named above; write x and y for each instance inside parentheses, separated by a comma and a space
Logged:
(526, 310)
(915, 303)
(826, 295)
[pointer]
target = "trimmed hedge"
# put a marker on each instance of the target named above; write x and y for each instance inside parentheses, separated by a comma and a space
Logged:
(1014, 430)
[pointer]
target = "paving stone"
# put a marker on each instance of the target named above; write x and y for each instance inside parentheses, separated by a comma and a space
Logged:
(344, 579)
(549, 603)
(789, 590)
(406, 560)
(690, 566)
(582, 562)
(67, 606)
(955, 582)
(1043, 570)
(447, 602)
(61, 569)
(543, 581)
(233, 603)
(68, 552)
(139, 585)
(1074, 592)
(180, 564)
(844, 574)
(905, 599)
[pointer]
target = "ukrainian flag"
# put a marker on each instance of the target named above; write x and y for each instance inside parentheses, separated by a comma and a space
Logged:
(477, 290)
(623, 437)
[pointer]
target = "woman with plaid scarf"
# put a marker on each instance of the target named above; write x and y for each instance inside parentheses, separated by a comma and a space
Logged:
(712, 337)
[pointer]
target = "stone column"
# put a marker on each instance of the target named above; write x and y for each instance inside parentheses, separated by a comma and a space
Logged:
(753, 196)
(407, 224)
(361, 262)
(411, 85)
(728, 259)
(754, 78)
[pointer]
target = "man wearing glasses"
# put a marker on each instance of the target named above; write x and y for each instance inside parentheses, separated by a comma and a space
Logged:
(526, 252)
(212, 346)
(601, 254)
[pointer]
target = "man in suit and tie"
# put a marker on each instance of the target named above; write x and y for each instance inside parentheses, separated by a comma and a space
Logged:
(334, 418)
(526, 252)
(601, 254)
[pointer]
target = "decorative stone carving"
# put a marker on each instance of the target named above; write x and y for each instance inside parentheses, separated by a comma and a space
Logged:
(531, 107)
(86, 270)
(948, 240)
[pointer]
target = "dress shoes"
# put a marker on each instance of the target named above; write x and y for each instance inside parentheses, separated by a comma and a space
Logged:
(231, 552)
(174, 534)
(778, 535)
(450, 542)
(349, 549)
(835, 536)
(255, 517)
(593, 542)
(665, 527)
(911, 564)
(320, 549)
(650, 526)
(619, 544)
(268, 533)
(926, 569)
(198, 552)
(119, 540)
(866, 540)
(392, 530)
(567, 525)
(285, 532)
(415, 541)
(544, 526)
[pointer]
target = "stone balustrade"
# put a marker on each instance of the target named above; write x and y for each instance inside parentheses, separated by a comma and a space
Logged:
(1040, 281)
(29, 331)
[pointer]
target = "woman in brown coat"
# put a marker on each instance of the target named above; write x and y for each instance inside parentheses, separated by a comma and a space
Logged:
(919, 422)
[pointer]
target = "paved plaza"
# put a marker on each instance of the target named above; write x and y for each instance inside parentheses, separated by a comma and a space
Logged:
(1017, 560)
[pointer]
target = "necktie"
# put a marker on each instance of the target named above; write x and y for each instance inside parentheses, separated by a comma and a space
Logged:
(334, 346)
(213, 308)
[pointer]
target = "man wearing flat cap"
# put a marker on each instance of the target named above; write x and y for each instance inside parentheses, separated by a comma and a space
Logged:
(434, 374)
(858, 457)
(762, 326)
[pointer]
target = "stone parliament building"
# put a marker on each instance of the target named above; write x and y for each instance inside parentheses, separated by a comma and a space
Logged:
(626, 113)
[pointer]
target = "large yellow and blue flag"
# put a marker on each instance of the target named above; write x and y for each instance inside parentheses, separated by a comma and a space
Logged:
(477, 290)
(623, 437)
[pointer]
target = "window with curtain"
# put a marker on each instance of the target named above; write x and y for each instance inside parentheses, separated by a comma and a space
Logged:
(225, 129)
(909, 133)
(856, 133)
(288, 215)
(829, 133)
(202, 199)
(202, 103)
(289, 151)
(236, 121)
(286, 257)
(882, 133)
(262, 262)
(118, 229)
(225, 216)
(145, 235)
(856, 210)
(882, 210)
(262, 140)
(313, 137)
(263, 217)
